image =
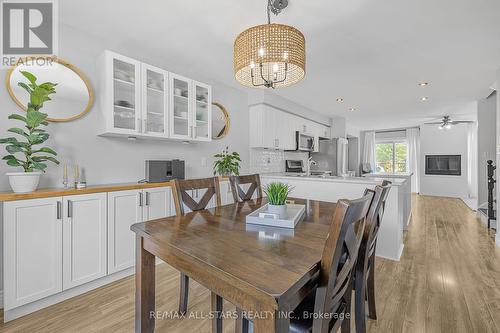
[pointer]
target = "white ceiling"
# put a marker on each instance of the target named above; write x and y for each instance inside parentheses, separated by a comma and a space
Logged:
(371, 53)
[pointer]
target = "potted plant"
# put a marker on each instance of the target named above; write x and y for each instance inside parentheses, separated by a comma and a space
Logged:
(227, 164)
(22, 152)
(277, 193)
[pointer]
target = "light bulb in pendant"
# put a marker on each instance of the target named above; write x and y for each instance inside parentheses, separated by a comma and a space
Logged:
(285, 55)
(261, 52)
(252, 65)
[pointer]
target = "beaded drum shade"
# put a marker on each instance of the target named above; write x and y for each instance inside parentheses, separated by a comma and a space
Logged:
(269, 55)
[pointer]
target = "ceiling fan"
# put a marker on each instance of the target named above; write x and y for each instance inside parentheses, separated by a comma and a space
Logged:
(446, 123)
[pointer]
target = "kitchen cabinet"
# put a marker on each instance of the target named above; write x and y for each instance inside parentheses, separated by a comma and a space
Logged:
(126, 208)
(275, 129)
(33, 250)
(84, 223)
(154, 85)
(143, 101)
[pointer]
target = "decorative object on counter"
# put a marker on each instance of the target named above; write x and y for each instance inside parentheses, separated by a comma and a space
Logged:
(227, 164)
(65, 176)
(34, 158)
(220, 121)
(270, 55)
(277, 193)
(75, 94)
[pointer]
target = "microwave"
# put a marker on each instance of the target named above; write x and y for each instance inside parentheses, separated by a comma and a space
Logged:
(305, 142)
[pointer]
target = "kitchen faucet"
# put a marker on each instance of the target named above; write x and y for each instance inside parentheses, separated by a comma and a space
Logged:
(310, 162)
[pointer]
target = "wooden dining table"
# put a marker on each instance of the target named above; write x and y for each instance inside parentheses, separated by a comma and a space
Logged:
(264, 271)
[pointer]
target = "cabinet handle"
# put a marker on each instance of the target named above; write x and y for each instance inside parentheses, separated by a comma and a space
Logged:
(147, 198)
(145, 128)
(59, 210)
(70, 208)
(194, 132)
(140, 199)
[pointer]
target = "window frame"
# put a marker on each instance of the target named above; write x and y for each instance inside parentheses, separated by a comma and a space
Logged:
(393, 142)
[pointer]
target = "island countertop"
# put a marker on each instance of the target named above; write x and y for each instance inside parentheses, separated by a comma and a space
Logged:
(334, 179)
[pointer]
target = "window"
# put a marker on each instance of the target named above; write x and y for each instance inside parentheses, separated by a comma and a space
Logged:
(391, 156)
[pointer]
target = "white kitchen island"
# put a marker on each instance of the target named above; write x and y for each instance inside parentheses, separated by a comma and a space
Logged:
(390, 239)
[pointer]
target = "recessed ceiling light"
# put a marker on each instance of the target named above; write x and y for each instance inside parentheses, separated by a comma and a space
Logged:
(424, 99)
(423, 83)
(340, 99)
(352, 109)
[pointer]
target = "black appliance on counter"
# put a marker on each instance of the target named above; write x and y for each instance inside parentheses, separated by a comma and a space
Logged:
(294, 166)
(158, 171)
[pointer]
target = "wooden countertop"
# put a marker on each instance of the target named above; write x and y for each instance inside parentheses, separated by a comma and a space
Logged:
(58, 192)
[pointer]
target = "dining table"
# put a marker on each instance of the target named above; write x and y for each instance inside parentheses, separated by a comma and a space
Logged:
(265, 271)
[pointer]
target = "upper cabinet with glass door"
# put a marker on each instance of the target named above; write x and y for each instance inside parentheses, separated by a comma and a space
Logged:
(124, 94)
(154, 101)
(181, 107)
(143, 101)
(202, 123)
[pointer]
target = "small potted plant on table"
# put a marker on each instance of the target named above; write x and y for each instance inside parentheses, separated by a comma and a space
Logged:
(277, 193)
(22, 153)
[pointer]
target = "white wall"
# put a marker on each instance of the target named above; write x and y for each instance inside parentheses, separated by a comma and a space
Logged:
(497, 151)
(486, 139)
(444, 142)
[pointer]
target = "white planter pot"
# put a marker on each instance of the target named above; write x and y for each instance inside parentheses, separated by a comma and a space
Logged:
(279, 210)
(24, 182)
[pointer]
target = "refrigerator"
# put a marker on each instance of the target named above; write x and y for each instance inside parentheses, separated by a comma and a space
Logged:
(332, 156)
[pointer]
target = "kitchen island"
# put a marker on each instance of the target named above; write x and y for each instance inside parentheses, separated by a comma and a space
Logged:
(332, 188)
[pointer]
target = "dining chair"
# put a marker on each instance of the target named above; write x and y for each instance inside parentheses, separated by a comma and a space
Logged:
(238, 193)
(182, 197)
(327, 307)
(364, 279)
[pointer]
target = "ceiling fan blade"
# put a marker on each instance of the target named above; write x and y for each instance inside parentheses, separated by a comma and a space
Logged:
(433, 123)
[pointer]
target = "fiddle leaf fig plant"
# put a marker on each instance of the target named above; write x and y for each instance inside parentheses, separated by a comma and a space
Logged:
(227, 163)
(23, 151)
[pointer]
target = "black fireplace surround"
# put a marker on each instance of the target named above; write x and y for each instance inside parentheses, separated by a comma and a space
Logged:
(449, 165)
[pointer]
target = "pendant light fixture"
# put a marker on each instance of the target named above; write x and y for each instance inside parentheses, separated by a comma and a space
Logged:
(270, 55)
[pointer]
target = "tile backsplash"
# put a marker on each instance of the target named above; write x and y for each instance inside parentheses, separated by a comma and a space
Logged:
(268, 160)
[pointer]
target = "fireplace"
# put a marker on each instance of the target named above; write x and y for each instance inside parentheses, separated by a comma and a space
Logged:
(450, 165)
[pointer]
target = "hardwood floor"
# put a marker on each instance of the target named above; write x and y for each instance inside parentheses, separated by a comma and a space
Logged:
(448, 280)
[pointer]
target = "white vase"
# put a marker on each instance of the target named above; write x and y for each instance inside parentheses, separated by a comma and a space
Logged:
(279, 210)
(24, 182)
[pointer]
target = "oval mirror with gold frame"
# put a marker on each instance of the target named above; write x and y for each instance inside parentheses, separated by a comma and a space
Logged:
(220, 121)
(74, 95)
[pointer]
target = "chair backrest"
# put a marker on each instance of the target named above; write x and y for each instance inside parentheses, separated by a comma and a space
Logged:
(338, 260)
(238, 193)
(372, 223)
(181, 196)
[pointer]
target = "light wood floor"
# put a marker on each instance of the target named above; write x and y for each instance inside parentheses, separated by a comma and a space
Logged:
(448, 280)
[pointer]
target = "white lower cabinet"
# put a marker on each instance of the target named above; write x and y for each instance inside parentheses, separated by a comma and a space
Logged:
(55, 244)
(32, 250)
(84, 238)
(126, 208)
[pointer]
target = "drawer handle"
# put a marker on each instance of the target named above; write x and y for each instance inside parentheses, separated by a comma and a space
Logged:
(70, 208)
(59, 210)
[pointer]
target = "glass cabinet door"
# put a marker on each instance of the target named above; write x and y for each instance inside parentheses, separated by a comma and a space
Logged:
(154, 100)
(202, 119)
(126, 94)
(180, 107)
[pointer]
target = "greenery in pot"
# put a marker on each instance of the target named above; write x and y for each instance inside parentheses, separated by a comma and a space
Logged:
(277, 193)
(32, 159)
(227, 163)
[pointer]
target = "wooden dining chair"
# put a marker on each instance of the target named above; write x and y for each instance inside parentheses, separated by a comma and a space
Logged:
(182, 197)
(238, 193)
(364, 285)
(330, 300)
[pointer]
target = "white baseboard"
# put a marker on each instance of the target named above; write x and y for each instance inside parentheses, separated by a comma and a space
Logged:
(1, 299)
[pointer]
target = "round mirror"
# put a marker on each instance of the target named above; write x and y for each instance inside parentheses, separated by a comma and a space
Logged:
(73, 97)
(220, 121)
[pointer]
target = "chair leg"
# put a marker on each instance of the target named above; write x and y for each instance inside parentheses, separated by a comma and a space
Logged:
(241, 322)
(184, 290)
(370, 289)
(359, 302)
(217, 305)
(346, 323)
